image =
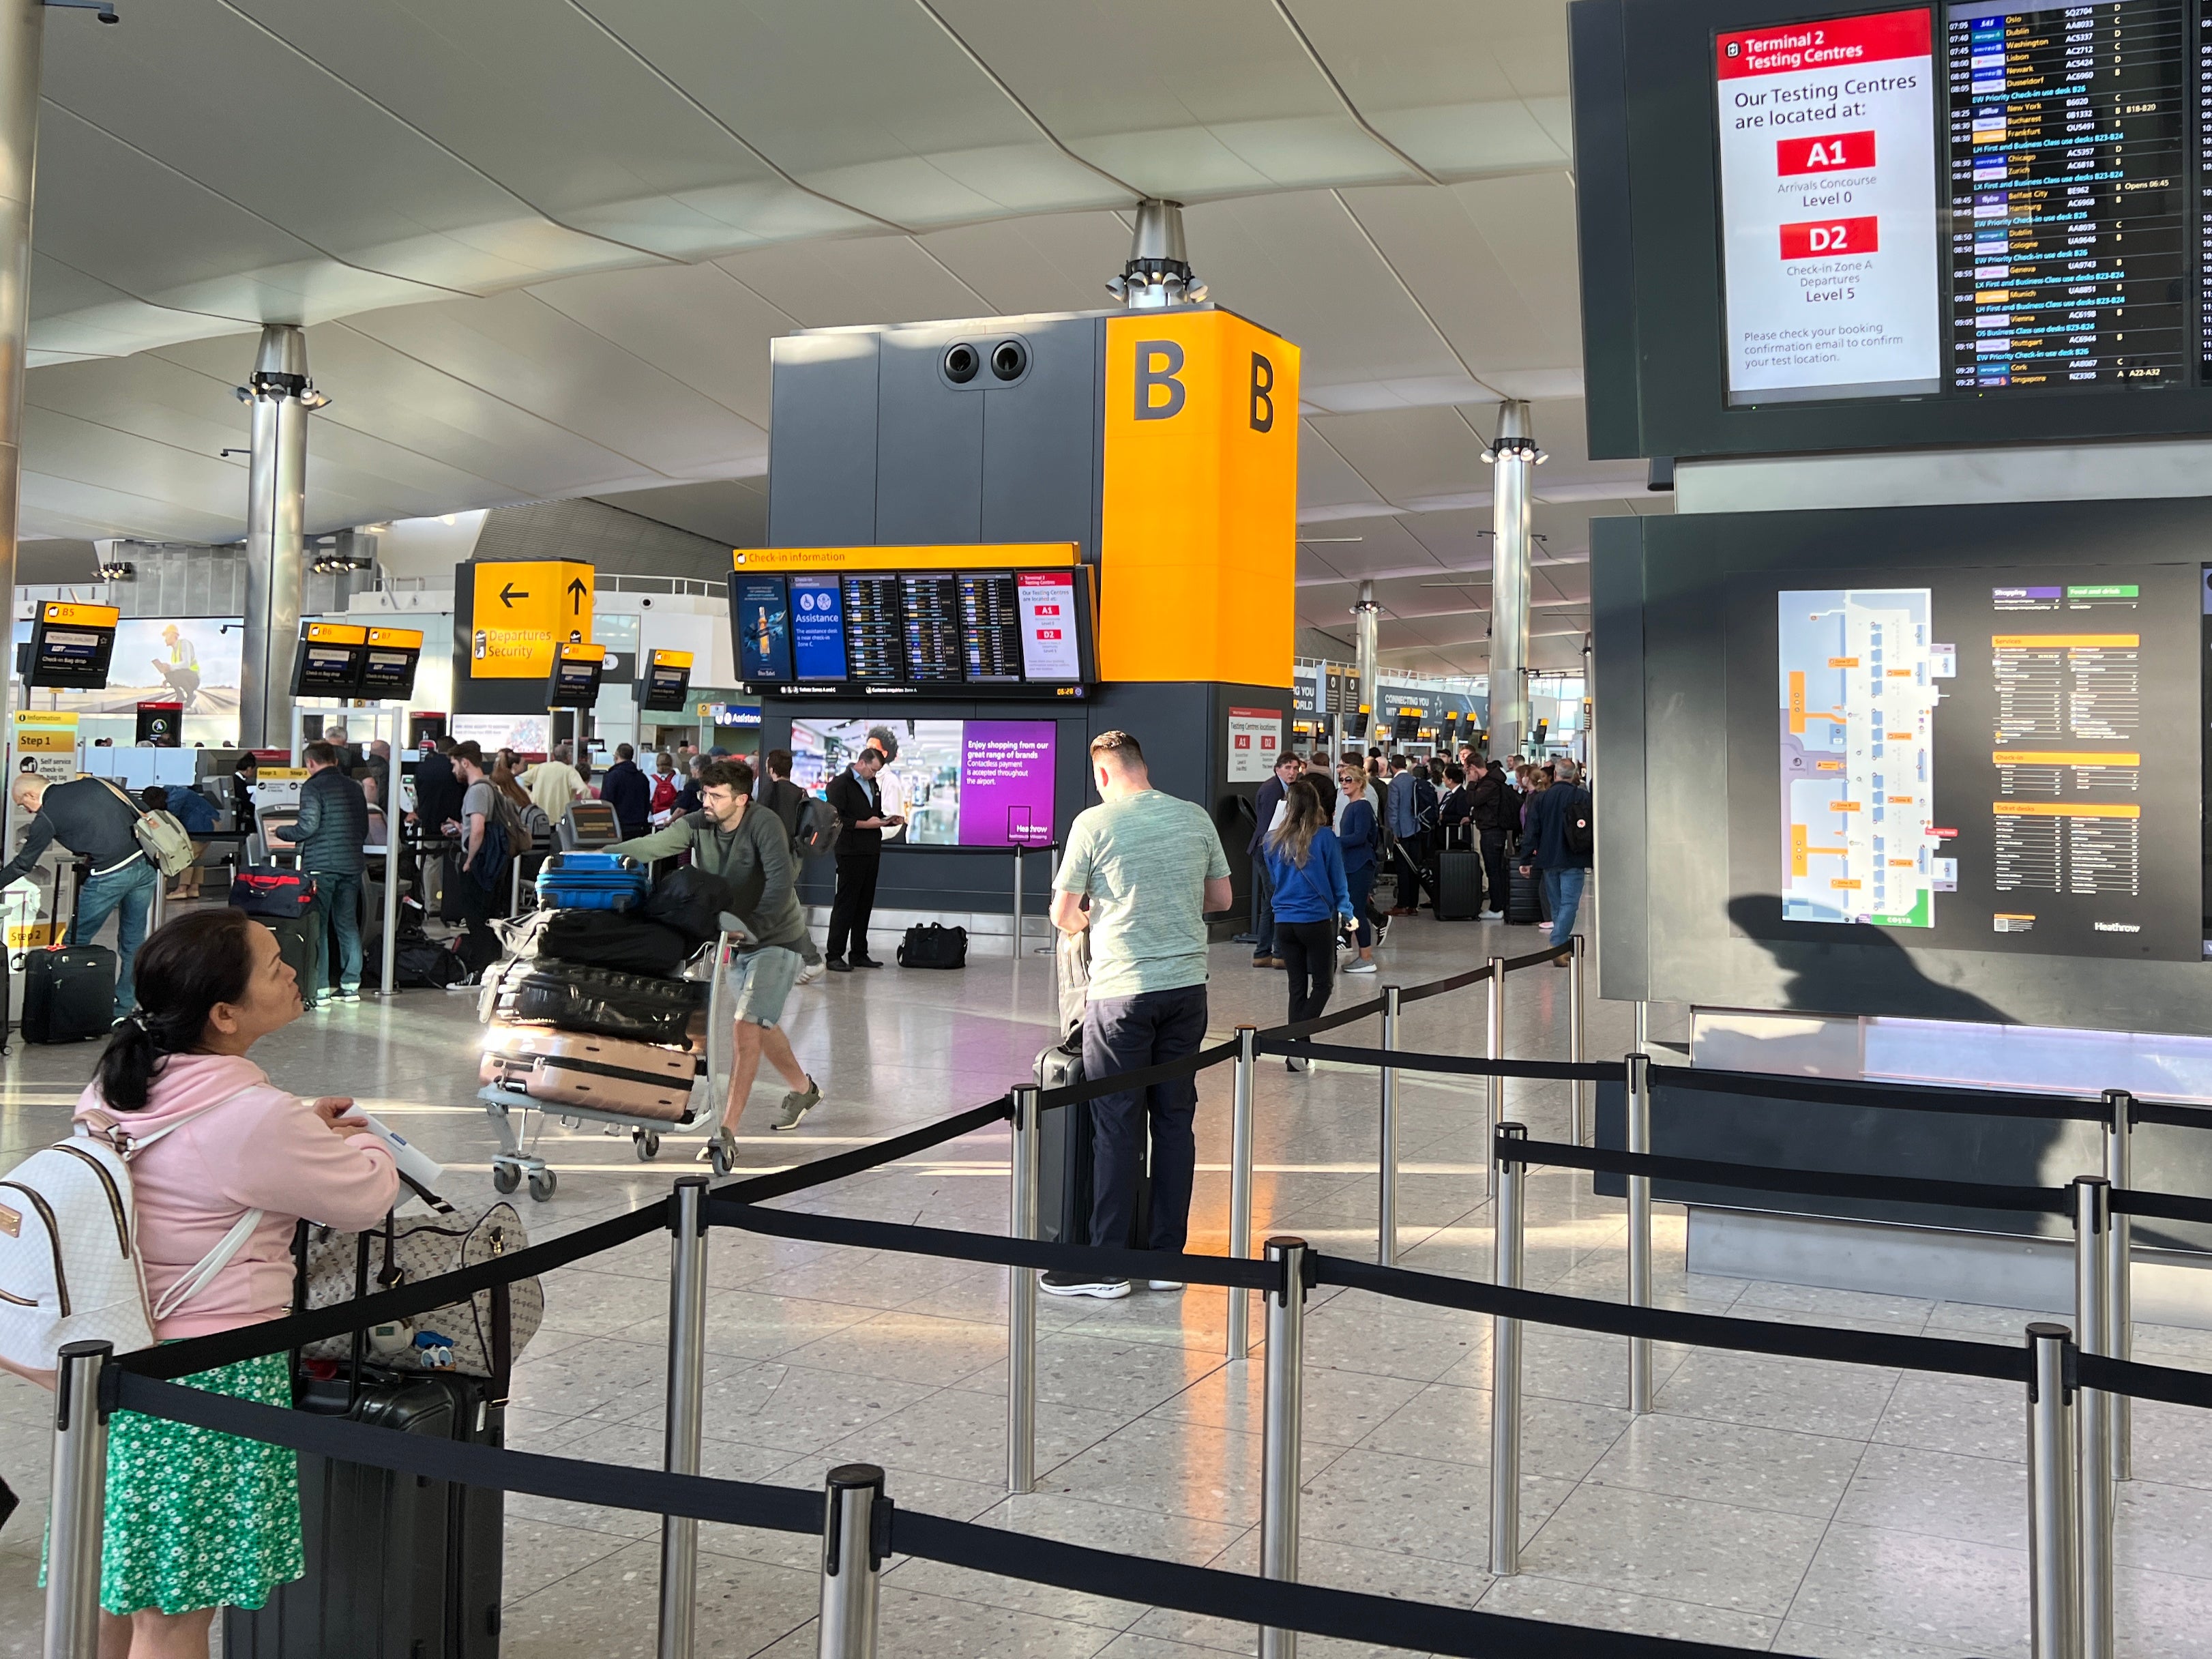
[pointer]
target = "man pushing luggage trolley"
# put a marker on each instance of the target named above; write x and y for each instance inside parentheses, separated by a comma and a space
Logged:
(747, 846)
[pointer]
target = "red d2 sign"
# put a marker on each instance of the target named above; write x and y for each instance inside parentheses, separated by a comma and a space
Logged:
(1823, 239)
(1833, 152)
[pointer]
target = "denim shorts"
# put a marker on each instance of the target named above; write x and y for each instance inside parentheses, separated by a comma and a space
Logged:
(760, 982)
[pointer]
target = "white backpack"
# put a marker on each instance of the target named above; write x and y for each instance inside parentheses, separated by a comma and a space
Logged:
(162, 835)
(70, 1270)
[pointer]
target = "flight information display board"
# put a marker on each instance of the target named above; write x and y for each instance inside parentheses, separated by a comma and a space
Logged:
(577, 670)
(387, 666)
(71, 646)
(667, 681)
(992, 632)
(330, 659)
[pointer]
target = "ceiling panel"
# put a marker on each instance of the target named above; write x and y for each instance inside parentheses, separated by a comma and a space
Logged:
(732, 511)
(1407, 455)
(867, 279)
(1054, 262)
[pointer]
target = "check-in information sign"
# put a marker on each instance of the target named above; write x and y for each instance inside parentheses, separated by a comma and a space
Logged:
(522, 611)
(1828, 205)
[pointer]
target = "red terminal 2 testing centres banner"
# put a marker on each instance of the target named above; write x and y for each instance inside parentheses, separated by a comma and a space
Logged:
(1828, 203)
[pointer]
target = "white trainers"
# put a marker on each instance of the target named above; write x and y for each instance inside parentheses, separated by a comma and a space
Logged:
(809, 972)
(1363, 967)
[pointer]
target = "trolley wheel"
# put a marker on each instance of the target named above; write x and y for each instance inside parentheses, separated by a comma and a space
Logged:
(542, 1184)
(646, 1143)
(505, 1178)
(717, 1157)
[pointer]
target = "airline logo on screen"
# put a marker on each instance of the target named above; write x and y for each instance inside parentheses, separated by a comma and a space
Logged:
(1828, 203)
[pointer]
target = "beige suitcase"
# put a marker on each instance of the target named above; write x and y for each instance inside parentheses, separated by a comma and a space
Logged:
(559, 1069)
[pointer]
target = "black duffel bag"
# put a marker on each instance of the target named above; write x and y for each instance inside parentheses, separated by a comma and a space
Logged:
(690, 900)
(544, 991)
(926, 944)
(621, 939)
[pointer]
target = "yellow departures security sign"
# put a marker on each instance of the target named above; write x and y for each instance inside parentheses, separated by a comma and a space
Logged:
(522, 611)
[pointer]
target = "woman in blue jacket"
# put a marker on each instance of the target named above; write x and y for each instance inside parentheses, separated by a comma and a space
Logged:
(1359, 837)
(1306, 869)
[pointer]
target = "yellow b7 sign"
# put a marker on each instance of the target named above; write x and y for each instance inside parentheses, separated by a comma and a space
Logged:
(1198, 544)
(523, 609)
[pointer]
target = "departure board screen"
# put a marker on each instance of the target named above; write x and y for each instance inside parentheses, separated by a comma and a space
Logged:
(2069, 162)
(931, 606)
(874, 647)
(991, 630)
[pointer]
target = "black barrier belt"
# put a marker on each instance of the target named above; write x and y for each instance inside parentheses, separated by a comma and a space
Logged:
(1895, 1097)
(610, 1486)
(1818, 1183)
(207, 1353)
(1437, 987)
(1165, 1072)
(1913, 1353)
(991, 1248)
(2166, 1206)
(2140, 1381)
(2186, 1117)
(1351, 1615)
(757, 1190)
(1306, 1027)
(1537, 959)
(1409, 1059)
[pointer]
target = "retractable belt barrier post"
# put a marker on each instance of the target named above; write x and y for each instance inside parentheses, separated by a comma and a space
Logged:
(1495, 1048)
(855, 1523)
(1282, 1426)
(687, 1347)
(1578, 1006)
(2053, 1536)
(1639, 1230)
(1386, 1222)
(80, 1503)
(2119, 1291)
(1240, 1184)
(1505, 1362)
(1021, 1298)
(2093, 1219)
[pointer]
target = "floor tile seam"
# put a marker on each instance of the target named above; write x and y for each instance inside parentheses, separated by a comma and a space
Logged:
(1113, 1630)
(1570, 1584)
(1828, 1525)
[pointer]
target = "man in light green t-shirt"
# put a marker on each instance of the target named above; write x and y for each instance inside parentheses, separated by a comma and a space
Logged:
(1152, 869)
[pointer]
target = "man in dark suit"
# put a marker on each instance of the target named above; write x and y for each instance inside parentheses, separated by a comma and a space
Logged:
(858, 806)
(1264, 803)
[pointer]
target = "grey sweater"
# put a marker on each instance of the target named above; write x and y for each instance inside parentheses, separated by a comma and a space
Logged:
(755, 859)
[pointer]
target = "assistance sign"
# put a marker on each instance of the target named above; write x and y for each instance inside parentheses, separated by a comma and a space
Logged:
(522, 611)
(1828, 209)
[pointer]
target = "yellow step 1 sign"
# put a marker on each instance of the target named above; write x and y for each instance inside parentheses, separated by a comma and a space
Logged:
(522, 611)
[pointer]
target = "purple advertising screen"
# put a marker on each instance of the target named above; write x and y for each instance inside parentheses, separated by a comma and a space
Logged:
(1006, 783)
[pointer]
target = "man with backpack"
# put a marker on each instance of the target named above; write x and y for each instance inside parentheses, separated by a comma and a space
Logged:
(99, 822)
(1497, 813)
(485, 829)
(790, 802)
(1560, 840)
(330, 832)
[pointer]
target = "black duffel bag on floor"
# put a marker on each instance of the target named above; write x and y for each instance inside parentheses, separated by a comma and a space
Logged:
(928, 944)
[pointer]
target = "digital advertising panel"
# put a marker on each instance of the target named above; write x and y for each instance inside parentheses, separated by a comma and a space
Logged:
(817, 629)
(760, 607)
(966, 783)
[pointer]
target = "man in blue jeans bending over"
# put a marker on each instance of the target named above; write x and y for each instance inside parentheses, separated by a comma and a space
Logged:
(1153, 868)
(96, 821)
(1560, 843)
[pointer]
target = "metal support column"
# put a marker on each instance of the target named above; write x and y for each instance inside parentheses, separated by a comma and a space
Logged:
(2119, 1295)
(280, 395)
(687, 1370)
(1240, 1185)
(2053, 1534)
(852, 1563)
(1578, 1046)
(1021, 1296)
(1494, 1047)
(22, 42)
(1513, 455)
(1281, 1429)
(1386, 1229)
(1505, 1365)
(80, 1503)
(395, 817)
(2093, 1218)
(1367, 623)
(1639, 1230)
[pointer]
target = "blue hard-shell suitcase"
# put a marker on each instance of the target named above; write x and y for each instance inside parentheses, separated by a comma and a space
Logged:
(591, 881)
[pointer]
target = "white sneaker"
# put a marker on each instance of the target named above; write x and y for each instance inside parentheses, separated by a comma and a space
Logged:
(809, 972)
(1359, 967)
(1163, 1284)
(1493, 916)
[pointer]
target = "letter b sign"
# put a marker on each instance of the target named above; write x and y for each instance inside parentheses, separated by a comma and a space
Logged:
(1263, 384)
(1158, 364)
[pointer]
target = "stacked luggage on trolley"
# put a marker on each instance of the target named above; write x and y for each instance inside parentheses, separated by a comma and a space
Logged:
(593, 1019)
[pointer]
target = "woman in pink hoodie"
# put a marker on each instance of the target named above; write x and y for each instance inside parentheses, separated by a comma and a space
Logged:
(197, 1521)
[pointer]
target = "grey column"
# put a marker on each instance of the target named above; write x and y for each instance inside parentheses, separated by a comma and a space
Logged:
(1158, 273)
(1511, 455)
(280, 394)
(1368, 616)
(23, 37)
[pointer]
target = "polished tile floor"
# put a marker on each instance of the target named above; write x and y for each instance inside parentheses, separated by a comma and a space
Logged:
(1811, 1509)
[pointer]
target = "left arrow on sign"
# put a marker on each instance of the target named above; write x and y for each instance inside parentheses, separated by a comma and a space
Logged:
(509, 593)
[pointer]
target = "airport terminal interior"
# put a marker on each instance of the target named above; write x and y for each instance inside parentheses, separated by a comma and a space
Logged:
(748, 642)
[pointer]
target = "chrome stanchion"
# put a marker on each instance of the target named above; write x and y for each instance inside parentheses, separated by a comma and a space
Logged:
(2053, 1535)
(1642, 1027)
(1639, 1230)
(1017, 903)
(1021, 1297)
(1505, 1365)
(1240, 1184)
(1281, 1428)
(852, 1563)
(1386, 1215)
(1578, 1006)
(80, 1502)
(2093, 1218)
(1494, 1049)
(2120, 1293)
(687, 1351)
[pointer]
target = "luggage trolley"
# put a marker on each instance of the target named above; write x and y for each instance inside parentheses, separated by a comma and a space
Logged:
(511, 1110)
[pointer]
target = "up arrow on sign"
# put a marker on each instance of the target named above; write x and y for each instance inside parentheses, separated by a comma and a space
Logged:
(577, 590)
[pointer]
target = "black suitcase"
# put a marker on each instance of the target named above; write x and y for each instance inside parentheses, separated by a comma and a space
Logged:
(1459, 886)
(1063, 1160)
(398, 1567)
(68, 993)
(1524, 900)
(928, 944)
(575, 997)
(300, 941)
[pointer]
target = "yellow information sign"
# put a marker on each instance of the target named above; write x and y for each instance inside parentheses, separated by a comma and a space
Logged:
(82, 615)
(967, 556)
(522, 611)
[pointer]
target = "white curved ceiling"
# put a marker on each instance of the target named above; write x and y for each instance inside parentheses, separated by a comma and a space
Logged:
(541, 245)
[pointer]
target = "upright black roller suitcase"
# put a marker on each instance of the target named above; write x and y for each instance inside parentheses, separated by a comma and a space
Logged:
(68, 993)
(1524, 900)
(398, 1567)
(1459, 886)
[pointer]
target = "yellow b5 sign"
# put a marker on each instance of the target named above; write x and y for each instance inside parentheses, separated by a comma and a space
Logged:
(1198, 548)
